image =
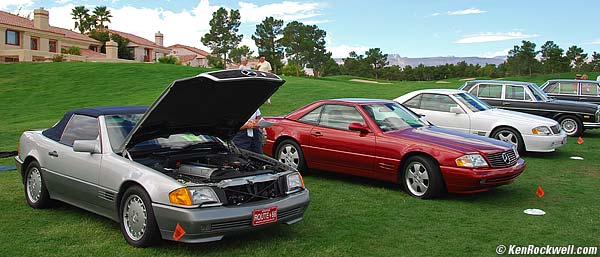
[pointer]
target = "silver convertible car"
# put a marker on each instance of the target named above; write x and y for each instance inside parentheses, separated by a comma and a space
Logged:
(169, 170)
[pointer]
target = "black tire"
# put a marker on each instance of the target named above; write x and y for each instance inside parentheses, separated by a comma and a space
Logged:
(571, 125)
(290, 153)
(135, 197)
(36, 192)
(509, 135)
(421, 177)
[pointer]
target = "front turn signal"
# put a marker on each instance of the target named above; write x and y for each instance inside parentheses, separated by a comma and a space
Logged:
(180, 196)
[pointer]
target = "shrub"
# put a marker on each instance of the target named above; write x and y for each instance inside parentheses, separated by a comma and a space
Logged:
(169, 60)
(74, 50)
(292, 70)
(58, 58)
(215, 62)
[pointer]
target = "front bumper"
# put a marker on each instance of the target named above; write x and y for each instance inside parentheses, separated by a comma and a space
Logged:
(213, 223)
(534, 143)
(591, 125)
(466, 180)
(18, 163)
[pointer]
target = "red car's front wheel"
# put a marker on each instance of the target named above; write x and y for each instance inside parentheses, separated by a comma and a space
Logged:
(421, 177)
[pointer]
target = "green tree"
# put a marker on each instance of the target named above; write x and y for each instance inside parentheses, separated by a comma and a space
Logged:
(81, 16)
(266, 39)
(238, 53)
(553, 59)
(305, 46)
(521, 59)
(331, 68)
(377, 60)
(356, 65)
(595, 63)
(102, 15)
(576, 57)
(223, 37)
(123, 51)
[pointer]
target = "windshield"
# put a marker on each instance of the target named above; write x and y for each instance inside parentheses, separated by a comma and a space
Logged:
(472, 102)
(119, 126)
(392, 116)
(538, 93)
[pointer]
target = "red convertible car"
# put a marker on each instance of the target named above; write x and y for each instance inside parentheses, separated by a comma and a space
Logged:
(384, 140)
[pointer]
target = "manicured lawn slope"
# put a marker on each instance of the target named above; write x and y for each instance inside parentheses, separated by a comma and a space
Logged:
(348, 216)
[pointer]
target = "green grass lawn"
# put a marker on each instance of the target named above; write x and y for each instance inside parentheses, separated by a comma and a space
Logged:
(348, 216)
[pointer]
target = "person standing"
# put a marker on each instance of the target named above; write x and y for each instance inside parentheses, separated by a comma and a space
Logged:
(250, 137)
(264, 66)
(244, 64)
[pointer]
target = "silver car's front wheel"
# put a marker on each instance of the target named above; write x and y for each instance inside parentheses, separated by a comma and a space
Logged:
(135, 217)
(36, 193)
(511, 136)
(137, 221)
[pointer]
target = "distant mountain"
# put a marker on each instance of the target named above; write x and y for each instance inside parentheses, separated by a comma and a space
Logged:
(396, 59)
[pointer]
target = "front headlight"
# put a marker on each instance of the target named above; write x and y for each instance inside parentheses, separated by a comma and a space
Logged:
(294, 182)
(194, 196)
(204, 195)
(514, 148)
(471, 161)
(541, 130)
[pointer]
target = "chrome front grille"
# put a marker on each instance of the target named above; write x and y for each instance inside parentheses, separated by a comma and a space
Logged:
(555, 129)
(502, 159)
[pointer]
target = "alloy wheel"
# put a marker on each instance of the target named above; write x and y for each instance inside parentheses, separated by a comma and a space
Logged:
(288, 154)
(135, 217)
(34, 185)
(417, 178)
(569, 126)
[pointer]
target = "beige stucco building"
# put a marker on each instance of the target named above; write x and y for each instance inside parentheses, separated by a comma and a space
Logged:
(143, 49)
(25, 40)
(189, 55)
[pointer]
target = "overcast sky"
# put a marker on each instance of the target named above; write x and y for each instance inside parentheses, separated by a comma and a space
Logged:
(409, 28)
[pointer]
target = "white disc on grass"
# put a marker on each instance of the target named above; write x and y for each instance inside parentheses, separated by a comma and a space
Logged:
(536, 212)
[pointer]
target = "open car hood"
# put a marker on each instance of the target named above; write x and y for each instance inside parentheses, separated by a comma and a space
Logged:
(213, 103)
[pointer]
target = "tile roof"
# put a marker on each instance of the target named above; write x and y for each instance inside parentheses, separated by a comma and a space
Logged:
(190, 48)
(137, 39)
(18, 21)
(186, 58)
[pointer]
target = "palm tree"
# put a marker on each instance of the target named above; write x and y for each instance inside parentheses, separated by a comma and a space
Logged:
(102, 15)
(81, 16)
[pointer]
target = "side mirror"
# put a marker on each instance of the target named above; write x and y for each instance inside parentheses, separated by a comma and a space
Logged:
(356, 126)
(86, 146)
(456, 110)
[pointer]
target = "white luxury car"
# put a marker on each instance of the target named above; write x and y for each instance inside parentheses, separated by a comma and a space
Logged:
(462, 111)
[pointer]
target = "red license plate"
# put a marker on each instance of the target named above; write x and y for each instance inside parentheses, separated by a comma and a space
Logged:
(264, 216)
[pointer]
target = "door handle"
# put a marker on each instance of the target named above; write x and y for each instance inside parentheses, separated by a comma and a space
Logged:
(53, 153)
(504, 103)
(317, 134)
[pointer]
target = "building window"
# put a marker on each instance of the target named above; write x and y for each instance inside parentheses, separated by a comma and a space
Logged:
(52, 46)
(34, 43)
(13, 37)
(11, 59)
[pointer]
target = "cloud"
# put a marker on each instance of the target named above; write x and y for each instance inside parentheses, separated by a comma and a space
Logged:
(466, 11)
(492, 37)
(187, 26)
(341, 51)
(593, 42)
(5, 4)
(62, 1)
(497, 53)
(286, 10)
(458, 12)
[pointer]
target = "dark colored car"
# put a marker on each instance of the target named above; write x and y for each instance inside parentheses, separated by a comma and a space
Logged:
(573, 90)
(384, 140)
(574, 117)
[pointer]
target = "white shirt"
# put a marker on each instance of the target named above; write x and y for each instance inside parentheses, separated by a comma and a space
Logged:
(250, 132)
(244, 67)
(598, 78)
(264, 66)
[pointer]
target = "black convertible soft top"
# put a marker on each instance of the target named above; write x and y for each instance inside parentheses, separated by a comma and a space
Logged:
(56, 131)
